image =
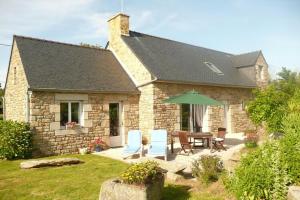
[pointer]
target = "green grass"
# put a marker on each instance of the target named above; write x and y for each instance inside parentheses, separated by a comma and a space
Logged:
(82, 181)
(214, 191)
(67, 182)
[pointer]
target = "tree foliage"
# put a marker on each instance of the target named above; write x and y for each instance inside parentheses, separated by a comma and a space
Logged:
(98, 46)
(15, 140)
(267, 172)
(270, 105)
(1, 92)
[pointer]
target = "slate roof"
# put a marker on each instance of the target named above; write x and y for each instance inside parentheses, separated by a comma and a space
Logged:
(246, 59)
(173, 61)
(52, 65)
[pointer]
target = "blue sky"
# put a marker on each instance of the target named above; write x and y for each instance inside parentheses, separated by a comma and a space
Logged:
(234, 26)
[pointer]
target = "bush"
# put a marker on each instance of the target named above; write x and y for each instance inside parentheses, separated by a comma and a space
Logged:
(266, 172)
(142, 173)
(290, 143)
(261, 174)
(15, 140)
(207, 169)
(270, 105)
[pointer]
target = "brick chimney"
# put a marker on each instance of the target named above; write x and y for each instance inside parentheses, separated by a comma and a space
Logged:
(118, 25)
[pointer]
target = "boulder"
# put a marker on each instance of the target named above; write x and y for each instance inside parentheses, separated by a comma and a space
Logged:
(170, 166)
(294, 193)
(49, 162)
(173, 177)
(113, 189)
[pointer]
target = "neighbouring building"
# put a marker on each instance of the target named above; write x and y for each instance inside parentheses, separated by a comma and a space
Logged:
(71, 94)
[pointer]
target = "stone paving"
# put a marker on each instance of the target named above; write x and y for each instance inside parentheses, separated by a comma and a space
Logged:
(178, 160)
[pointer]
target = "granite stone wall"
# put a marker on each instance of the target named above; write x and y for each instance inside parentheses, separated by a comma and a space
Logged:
(50, 138)
(168, 115)
(15, 104)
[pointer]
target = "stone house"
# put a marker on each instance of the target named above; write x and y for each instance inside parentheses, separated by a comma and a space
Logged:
(106, 92)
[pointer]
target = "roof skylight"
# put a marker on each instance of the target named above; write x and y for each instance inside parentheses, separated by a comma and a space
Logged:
(213, 68)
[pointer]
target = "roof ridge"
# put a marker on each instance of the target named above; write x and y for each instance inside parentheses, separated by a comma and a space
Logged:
(57, 42)
(158, 37)
(257, 51)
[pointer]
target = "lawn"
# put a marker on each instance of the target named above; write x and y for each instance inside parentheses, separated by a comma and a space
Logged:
(81, 181)
(68, 182)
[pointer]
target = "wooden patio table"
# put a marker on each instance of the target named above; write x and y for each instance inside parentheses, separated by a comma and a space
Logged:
(196, 135)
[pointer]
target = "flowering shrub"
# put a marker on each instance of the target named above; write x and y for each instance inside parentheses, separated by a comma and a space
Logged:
(142, 173)
(71, 125)
(15, 140)
(98, 143)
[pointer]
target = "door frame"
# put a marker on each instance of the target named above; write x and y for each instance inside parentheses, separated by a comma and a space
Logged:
(116, 141)
(227, 117)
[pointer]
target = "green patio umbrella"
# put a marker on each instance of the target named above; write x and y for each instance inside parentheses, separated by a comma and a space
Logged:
(193, 97)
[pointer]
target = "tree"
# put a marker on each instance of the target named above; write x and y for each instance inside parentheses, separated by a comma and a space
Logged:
(270, 105)
(98, 46)
(1, 103)
(1, 91)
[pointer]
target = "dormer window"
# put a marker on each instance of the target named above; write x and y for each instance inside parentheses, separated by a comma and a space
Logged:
(260, 71)
(213, 68)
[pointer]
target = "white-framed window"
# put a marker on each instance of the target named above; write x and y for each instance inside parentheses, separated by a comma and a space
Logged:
(71, 111)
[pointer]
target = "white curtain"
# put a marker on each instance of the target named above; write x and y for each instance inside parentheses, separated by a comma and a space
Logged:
(199, 115)
(200, 111)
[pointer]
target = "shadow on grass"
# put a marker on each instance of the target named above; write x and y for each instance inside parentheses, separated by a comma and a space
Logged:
(176, 192)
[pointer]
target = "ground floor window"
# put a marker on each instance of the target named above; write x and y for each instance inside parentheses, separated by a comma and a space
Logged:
(194, 118)
(114, 119)
(70, 112)
(185, 117)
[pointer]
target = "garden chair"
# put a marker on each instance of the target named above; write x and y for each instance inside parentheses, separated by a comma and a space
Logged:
(159, 143)
(134, 144)
(184, 142)
(218, 142)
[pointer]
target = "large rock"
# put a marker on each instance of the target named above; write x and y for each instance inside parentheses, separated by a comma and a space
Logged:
(113, 189)
(294, 193)
(47, 163)
(173, 177)
(170, 166)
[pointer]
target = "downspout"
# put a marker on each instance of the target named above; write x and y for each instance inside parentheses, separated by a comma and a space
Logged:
(29, 93)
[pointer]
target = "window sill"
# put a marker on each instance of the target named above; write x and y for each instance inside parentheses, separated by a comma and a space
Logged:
(71, 131)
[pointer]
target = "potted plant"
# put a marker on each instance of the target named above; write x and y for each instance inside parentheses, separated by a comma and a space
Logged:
(71, 125)
(144, 140)
(143, 180)
(84, 150)
(251, 138)
(98, 145)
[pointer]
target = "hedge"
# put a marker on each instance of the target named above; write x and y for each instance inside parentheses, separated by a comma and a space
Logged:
(15, 140)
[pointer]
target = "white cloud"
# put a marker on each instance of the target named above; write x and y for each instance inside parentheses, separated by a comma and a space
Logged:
(26, 17)
(35, 17)
(94, 26)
